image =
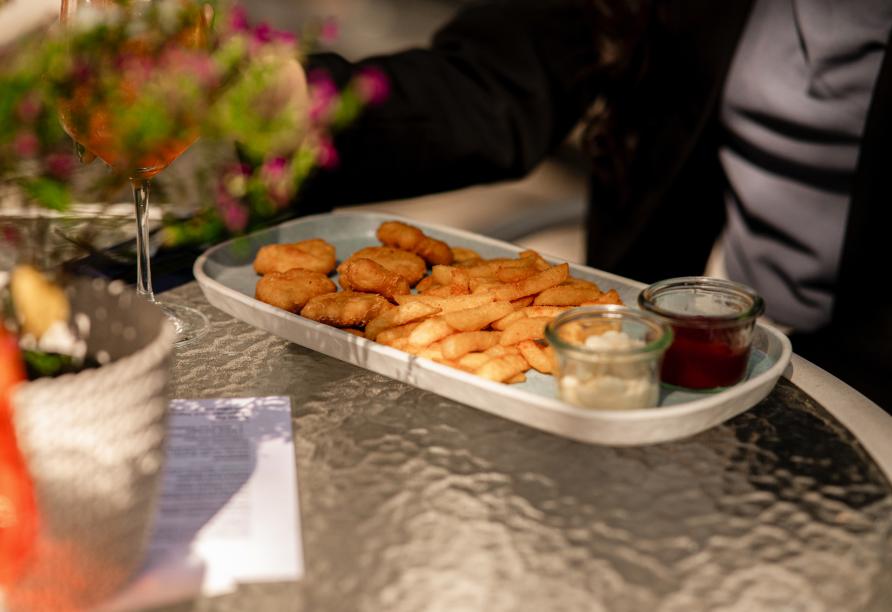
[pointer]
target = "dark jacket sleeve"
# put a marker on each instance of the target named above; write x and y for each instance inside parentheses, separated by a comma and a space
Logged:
(500, 86)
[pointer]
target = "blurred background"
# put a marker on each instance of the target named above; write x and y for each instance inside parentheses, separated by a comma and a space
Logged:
(543, 211)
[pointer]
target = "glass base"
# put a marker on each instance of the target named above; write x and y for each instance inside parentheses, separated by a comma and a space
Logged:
(190, 324)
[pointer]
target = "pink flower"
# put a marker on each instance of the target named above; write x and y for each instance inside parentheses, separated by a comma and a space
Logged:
(279, 186)
(29, 107)
(136, 68)
(329, 31)
(60, 165)
(81, 70)
(285, 38)
(373, 85)
(26, 144)
(238, 19)
(327, 156)
(263, 33)
(275, 166)
(323, 94)
(233, 213)
(192, 65)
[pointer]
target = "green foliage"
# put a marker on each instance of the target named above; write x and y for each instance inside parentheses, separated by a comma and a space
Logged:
(137, 84)
(48, 192)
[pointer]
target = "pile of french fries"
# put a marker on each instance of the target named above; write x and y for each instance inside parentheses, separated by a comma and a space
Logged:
(486, 316)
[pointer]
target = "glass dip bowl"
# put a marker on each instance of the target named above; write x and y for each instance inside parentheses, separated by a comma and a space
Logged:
(713, 322)
(608, 357)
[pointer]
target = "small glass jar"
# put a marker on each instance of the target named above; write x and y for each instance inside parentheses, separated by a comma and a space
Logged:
(713, 322)
(608, 357)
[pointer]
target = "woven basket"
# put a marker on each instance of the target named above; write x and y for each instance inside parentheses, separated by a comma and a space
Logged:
(94, 444)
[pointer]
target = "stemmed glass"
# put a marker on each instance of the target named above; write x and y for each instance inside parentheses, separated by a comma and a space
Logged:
(89, 124)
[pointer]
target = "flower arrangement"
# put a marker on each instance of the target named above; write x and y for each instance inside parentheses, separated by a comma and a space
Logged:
(135, 84)
(138, 85)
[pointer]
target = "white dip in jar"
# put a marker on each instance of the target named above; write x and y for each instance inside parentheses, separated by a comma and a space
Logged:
(609, 359)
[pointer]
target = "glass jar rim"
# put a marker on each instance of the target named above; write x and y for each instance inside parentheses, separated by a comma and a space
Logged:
(647, 300)
(607, 312)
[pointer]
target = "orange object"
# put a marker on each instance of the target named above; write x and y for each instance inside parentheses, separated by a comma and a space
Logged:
(18, 505)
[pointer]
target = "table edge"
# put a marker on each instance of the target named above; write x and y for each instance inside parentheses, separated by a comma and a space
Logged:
(869, 423)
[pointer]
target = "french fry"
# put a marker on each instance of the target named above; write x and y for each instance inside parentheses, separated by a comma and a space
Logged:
(610, 297)
(447, 281)
(512, 275)
(567, 295)
(473, 361)
(395, 333)
(539, 263)
(527, 328)
(536, 356)
(446, 290)
(580, 282)
(400, 343)
(488, 268)
(448, 275)
(458, 345)
(545, 311)
(523, 302)
(552, 358)
(473, 319)
(529, 311)
(425, 283)
(516, 379)
(500, 351)
(434, 352)
(429, 332)
(354, 331)
(532, 285)
(507, 320)
(400, 315)
(484, 286)
(447, 304)
(503, 368)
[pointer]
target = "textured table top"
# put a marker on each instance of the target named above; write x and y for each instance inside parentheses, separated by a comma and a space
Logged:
(413, 502)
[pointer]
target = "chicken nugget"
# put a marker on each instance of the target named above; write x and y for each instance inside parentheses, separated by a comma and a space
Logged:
(314, 254)
(410, 238)
(292, 289)
(346, 309)
(367, 276)
(408, 265)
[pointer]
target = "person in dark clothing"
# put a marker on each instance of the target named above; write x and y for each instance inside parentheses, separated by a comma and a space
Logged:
(764, 122)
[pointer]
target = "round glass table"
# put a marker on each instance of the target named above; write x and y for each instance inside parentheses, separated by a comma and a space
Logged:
(413, 502)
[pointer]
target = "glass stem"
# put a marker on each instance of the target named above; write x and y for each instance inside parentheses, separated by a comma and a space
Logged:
(143, 265)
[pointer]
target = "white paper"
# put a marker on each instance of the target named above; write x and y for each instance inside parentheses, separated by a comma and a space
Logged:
(228, 509)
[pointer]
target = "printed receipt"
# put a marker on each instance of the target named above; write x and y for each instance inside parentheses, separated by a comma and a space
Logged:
(227, 510)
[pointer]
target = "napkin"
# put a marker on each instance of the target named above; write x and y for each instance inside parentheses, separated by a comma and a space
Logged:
(228, 509)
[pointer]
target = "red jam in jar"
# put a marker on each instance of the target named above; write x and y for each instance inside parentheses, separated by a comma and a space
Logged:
(713, 322)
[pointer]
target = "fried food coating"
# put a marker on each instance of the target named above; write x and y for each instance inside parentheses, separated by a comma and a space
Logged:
(346, 309)
(367, 276)
(410, 238)
(408, 265)
(292, 289)
(314, 254)
(463, 255)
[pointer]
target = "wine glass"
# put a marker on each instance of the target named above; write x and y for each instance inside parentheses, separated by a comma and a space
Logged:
(90, 124)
